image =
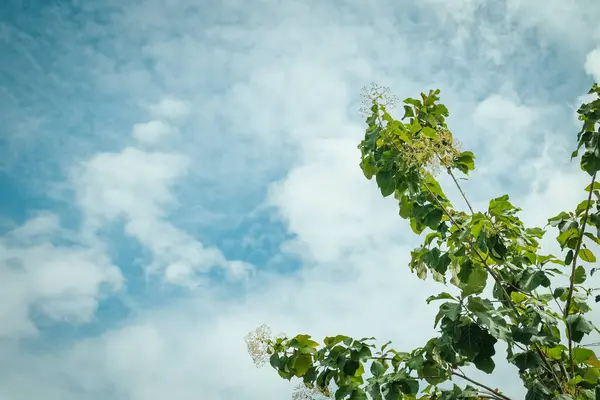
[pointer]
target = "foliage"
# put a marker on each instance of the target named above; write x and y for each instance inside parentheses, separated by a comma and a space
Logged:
(472, 251)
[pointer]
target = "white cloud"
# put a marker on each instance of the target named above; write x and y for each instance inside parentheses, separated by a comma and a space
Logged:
(137, 186)
(170, 108)
(153, 131)
(285, 97)
(592, 63)
(62, 282)
(131, 183)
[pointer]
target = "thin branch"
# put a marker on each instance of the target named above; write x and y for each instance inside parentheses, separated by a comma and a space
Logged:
(462, 193)
(481, 385)
(572, 277)
(556, 301)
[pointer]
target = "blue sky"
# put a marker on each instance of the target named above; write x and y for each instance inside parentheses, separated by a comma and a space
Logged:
(174, 173)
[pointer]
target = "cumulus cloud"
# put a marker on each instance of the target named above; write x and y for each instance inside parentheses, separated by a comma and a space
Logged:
(152, 131)
(136, 186)
(170, 108)
(62, 282)
(262, 98)
(592, 63)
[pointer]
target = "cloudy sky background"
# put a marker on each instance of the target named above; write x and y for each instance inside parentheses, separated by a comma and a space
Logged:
(174, 173)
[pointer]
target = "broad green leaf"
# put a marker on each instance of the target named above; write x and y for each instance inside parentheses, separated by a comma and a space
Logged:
(377, 368)
(450, 310)
(441, 296)
(527, 360)
(595, 186)
(587, 255)
(331, 341)
(581, 207)
(386, 183)
(568, 238)
(343, 392)
(555, 353)
(536, 279)
(433, 374)
(351, 366)
(391, 391)
(579, 276)
(429, 132)
(579, 327)
(590, 161)
(358, 394)
(302, 364)
(591, 375)
(518, 297)
(485, 364)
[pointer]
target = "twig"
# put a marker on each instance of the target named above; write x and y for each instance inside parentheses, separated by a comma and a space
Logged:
(462, 193)
(499, 395)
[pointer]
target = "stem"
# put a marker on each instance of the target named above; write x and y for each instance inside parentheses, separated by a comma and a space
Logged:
(481, 385)
(556, 301)
(462, 193)
(572, 277)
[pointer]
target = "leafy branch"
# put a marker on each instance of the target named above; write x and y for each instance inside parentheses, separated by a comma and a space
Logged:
(463, 249)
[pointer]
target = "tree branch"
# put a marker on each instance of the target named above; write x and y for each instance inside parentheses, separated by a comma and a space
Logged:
(572, 277)
(462, 193)
(481, 385)
(498, 281)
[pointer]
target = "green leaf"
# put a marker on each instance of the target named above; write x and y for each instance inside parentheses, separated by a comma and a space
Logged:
(391, 391)
(429, 132)
(275, 361)
(302, 364)
(527, 360)
(559, 292)
(386, 183)
(568, 238)
(441, 296)
(408, 112)
(569, 257)
(472, 278)
(377, 368)
(415, 127)
(433, 219)
(581, 207)
(343, 392)
(555, 353)
(465, 162)
(485, 364)
(555, 221)
(591, 375)
(579, 327)
(351, 366)
(518, 297)
(331, 341)
(587, 256)
(433, 374)
(499, 205)
(358, 394)
(450, 310)
(581, 354)
(579, 276)
(536, 279)
(595, 186)
(590, 161)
